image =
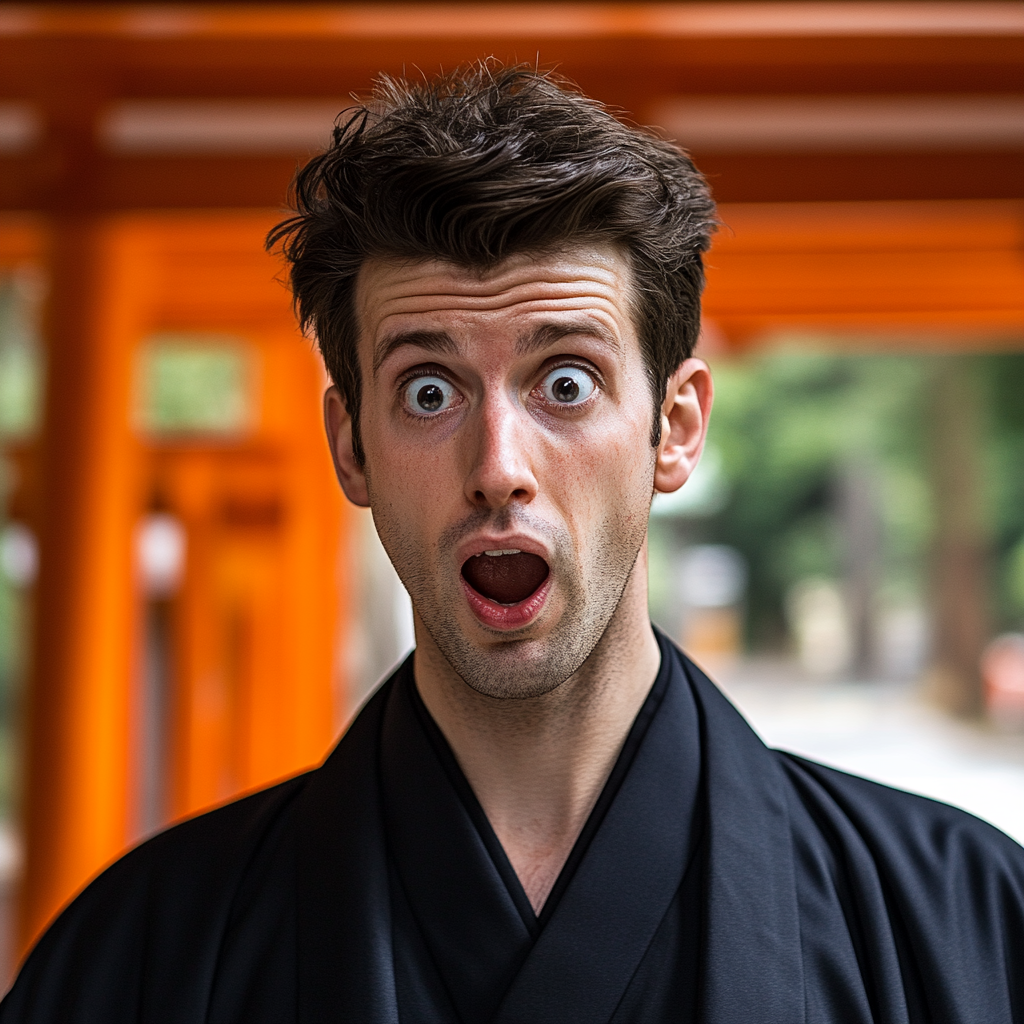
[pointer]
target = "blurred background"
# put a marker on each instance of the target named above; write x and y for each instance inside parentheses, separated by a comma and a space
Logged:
(189, 610)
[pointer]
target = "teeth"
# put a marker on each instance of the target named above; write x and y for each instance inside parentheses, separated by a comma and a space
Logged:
(506, 551)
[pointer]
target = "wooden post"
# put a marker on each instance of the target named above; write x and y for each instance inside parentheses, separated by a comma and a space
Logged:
(319, 590)
(78, 728)
(862, 535)
(959, 554)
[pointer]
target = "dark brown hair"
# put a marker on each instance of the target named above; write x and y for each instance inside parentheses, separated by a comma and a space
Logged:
(480, 164)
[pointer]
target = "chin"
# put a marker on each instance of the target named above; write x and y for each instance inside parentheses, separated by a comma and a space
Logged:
(516, 669)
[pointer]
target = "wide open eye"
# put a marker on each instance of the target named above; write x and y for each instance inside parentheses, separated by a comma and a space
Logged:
(568, 385)
(429, 395)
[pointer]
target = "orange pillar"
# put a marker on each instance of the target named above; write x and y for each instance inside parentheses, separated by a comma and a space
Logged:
(314, 594)
(77, 757)
(199, 725)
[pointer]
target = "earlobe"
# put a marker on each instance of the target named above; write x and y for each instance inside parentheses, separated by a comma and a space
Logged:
(684, 424)
(350, 474)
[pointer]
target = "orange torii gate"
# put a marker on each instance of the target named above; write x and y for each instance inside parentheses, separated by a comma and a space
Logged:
(921, 240)
(255, 693)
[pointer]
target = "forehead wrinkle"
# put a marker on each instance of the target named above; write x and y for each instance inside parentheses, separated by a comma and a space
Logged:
(597, 285)
(433, 341)
(430, 297)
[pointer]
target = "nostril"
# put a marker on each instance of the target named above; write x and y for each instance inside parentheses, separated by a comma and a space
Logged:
(494, 500)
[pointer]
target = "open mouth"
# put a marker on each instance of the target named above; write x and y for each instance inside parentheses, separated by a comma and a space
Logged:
(505, 577)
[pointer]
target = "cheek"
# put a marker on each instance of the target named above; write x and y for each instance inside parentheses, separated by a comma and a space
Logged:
(602, 477)
(410, 484)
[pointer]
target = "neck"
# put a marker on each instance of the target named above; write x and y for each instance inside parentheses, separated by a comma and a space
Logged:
(538, 765)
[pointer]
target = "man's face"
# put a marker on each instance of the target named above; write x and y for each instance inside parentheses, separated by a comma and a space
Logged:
(506, 421)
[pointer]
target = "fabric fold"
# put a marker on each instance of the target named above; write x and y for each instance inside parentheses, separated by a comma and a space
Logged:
(583, 960)
(346, 967)
(468, 918)
(752, 967)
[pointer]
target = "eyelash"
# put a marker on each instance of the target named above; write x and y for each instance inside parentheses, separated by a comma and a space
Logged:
(578, 364)
(421, 371)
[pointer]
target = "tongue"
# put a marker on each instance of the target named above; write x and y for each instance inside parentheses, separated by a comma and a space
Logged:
(507, 579)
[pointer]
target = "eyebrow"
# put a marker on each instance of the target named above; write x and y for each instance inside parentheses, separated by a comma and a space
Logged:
(552, 333)
(433, 341)
(531, 341)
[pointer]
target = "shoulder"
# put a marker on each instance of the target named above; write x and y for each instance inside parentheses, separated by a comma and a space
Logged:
(926, 888)
(901, 815)
(146, 938)
(921, 846)
(212, 842)
(162, 904)
(204, 851)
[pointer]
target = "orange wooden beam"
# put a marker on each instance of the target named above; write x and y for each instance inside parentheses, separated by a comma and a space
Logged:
(924, 270)
(629, 55)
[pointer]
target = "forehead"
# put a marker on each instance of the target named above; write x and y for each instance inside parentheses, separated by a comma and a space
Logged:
(394, 297)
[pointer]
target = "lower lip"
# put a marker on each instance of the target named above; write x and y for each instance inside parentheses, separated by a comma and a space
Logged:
(507, 616)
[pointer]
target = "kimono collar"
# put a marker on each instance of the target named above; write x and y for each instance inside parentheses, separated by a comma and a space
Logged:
(498, 961)
(751, 967)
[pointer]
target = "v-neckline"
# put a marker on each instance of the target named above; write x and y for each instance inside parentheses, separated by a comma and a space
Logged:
(486, 942)
(638, 729)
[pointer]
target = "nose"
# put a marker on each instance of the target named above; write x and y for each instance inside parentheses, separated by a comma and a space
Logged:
(500, 471)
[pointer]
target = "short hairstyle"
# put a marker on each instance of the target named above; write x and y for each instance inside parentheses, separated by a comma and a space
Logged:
(480, 164)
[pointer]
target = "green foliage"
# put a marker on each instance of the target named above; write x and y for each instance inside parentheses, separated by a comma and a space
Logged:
(20, 362)
(784, 426)
(785, 423)
(191, 384)
(21, 371)
(1002, 378)
(1013, 581)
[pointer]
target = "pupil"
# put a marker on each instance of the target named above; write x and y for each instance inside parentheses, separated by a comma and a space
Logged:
(566, 389)
(430, 397)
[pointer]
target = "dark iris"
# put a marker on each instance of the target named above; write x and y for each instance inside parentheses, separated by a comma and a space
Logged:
(430, 397)
(565, 389)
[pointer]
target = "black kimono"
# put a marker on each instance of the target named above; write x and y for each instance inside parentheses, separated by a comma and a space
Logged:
(716, 881)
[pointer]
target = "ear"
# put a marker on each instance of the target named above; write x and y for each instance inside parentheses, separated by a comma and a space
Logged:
(684, 424)
(351, 475)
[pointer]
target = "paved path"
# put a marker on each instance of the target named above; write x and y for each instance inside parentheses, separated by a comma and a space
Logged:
(886, 732)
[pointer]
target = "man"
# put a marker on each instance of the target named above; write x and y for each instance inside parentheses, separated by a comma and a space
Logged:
(547, 813)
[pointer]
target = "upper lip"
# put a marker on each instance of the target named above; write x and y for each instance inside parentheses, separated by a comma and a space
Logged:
(501, 542)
